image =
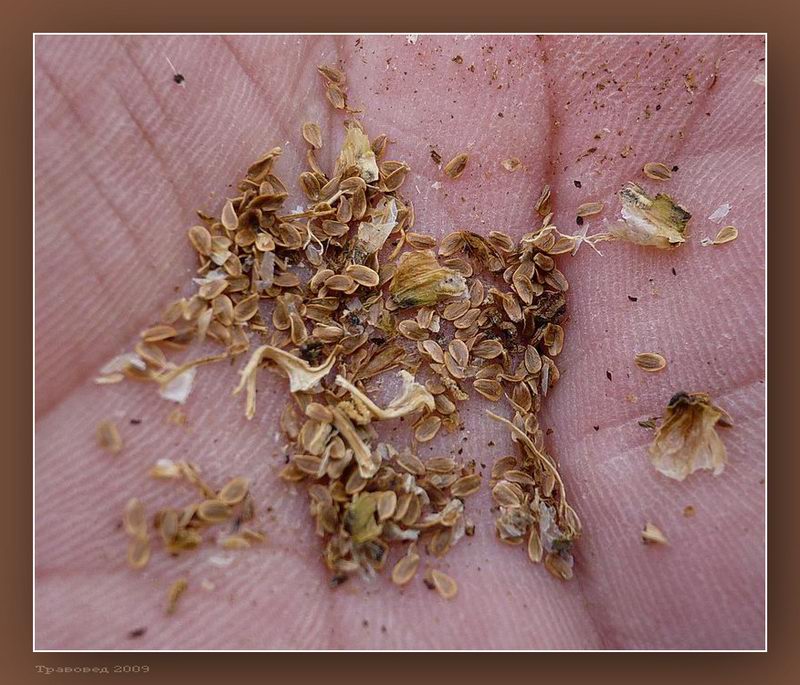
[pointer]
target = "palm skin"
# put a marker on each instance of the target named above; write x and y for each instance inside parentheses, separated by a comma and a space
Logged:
(124, 154)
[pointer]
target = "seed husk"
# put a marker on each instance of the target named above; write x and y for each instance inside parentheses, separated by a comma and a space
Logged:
(134, 518)
(650, 361)
(466, 485)
(138, 552)
(657, 171)
(108, 437)
(456, 166)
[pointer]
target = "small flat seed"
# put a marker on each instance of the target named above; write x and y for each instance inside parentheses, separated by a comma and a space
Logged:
(108, 437)
(405, 569)
(650, 362)
(427, 429)
(502, 465)
(312, 135)
(657, 171)
(557, 566)
(511, 164)
(458, 350)
(487, 349)
(455, 310)
(589, 209)
(387, 505)
(411, 329)
(155, 333)
(456, 166)
(411, 463)
(505, 495)
(174, 593)
(444, 584)
(319, 412)
(451, 243)
(246, 309)
(213, 511)
(440, 465)
(200, 239)
(363, 275)
(134, 518)
(534, 546)
(339, 282)
(434, 350)
(727, 234)
(653, 535)
(229, 219)
(492, 390)
(234, 491)
(138, 552)
(466, 485)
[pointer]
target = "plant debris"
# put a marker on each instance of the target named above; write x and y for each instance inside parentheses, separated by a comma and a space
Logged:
(657, 171)
(512, 164)
(651, 534)
(687, 439)
(654, 222)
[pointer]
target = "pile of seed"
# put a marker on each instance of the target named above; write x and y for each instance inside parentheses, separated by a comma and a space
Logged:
(339, 296)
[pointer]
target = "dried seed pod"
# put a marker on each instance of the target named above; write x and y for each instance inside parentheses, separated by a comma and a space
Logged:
(650, 361)
(657, 171)
(456, 166)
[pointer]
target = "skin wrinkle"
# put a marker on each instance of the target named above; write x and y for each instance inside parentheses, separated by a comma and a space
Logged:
(310, 618)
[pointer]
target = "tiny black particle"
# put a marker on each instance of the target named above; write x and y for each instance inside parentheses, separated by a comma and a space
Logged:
(135, 422)
(365, 623)
(178, 78)
(579, 221)
(577, 184)
(658, 108)
(674, 273)
(608, 375)
(491, 443)
(138, 632)
(383, 629)
(597, 428)
(675, 168)
(632, 298)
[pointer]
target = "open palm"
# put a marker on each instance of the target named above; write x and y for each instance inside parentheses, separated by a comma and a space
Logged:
(124, 155)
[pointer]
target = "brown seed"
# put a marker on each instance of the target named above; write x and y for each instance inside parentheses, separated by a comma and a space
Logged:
(488, 349)
(229, 219)
(213, 511)
(234, 491)
(134, 518)
(657, 171)
(108, 437)
(507, 495)
(312, 135)
(138, 552)
(156, 333)
(650, 361)
(512, 164)
(411, 463)
(589, 209)
(534, 546)
(456, 166)
(428, 428)
(200, 239)
(444, 584)
(491, 389)
(466, 485)
(246, 309)
(405, 568)
(726, 234)
(174, 594)
(363, 275)
(459, 352)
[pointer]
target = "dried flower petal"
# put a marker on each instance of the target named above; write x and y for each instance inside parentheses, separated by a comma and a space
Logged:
(687, 439)
(420, 281)
(657, 222)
